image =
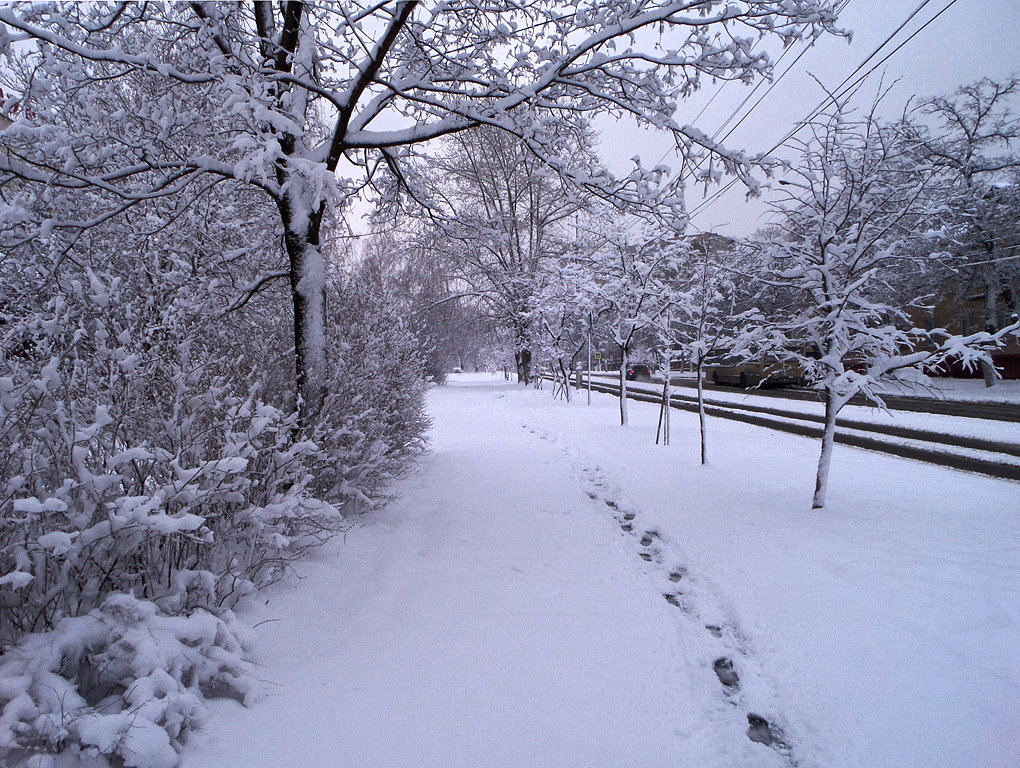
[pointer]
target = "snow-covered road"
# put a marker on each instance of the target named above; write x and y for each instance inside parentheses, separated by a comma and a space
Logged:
(498, 612)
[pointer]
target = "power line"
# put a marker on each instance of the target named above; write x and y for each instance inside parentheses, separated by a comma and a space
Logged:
(914, 34)
(845, 87)
(683, 173)
(968, 264)
(776, 82)
(859, 66)
(758, 85)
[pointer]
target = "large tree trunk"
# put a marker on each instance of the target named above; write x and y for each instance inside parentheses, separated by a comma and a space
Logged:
(523, 359)
(623, 387)
(308, 295)
(825, 459)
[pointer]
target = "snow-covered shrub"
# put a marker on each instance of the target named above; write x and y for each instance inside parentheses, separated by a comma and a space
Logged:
(149, 441)
(145, 461)
(125, 467)
(375, 409)
(140, 467)
(124, 681)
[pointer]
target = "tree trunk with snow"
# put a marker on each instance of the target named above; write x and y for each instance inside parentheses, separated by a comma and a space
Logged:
(665, 401)
(701, 411)
(308, 297)
(523, 359)
(623, 386)
(832, 407)
(991, 324)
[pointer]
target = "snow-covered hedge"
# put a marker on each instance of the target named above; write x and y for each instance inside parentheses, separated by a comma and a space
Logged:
(152, 473)
(153, 469)
(140, 497)
(124, 682)
(144, 483)
(380, 379)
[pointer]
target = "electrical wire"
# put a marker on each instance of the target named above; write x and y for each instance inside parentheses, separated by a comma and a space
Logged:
(859, 66)
(845, 87)
(684, 173)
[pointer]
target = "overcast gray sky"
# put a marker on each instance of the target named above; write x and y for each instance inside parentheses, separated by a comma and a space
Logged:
(970, 40)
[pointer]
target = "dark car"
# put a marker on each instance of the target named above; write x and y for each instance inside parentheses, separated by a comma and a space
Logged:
(639, 372)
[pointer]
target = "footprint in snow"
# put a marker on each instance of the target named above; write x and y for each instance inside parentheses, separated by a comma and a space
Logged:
(726, 673)
(759, 730)
(675, 600)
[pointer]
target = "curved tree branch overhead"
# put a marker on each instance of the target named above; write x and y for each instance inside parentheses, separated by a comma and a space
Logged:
(302, 100)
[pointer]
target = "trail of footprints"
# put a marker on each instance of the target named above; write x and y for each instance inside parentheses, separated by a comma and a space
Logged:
(651, 550)
(759, 729)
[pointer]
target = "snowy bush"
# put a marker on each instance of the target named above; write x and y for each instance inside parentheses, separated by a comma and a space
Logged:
(125, 468)
(156, 480)
(142, 453)
(124, 682)
(152, 456)
(379, 385)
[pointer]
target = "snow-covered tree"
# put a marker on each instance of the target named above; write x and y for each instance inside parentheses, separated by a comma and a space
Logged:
(856, 199)
(701, 319)
(622, 283)
(561, 320)
(310, 103)
(500, 217)
(974, 146)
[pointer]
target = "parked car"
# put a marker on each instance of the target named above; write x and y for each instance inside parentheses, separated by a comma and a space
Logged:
(755, 373)
(639, 372)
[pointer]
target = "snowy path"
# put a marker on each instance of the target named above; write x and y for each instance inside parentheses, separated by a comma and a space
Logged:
(493, 615)
(500, 612)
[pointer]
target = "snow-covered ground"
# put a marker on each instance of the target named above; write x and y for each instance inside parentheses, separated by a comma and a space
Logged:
(1006, 391)
(990, 429)
(497, 614)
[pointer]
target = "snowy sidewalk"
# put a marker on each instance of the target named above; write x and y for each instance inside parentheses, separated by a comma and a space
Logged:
(507, 609)
(493, 615)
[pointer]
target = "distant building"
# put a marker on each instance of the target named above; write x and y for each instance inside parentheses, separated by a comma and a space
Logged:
(964, 315)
